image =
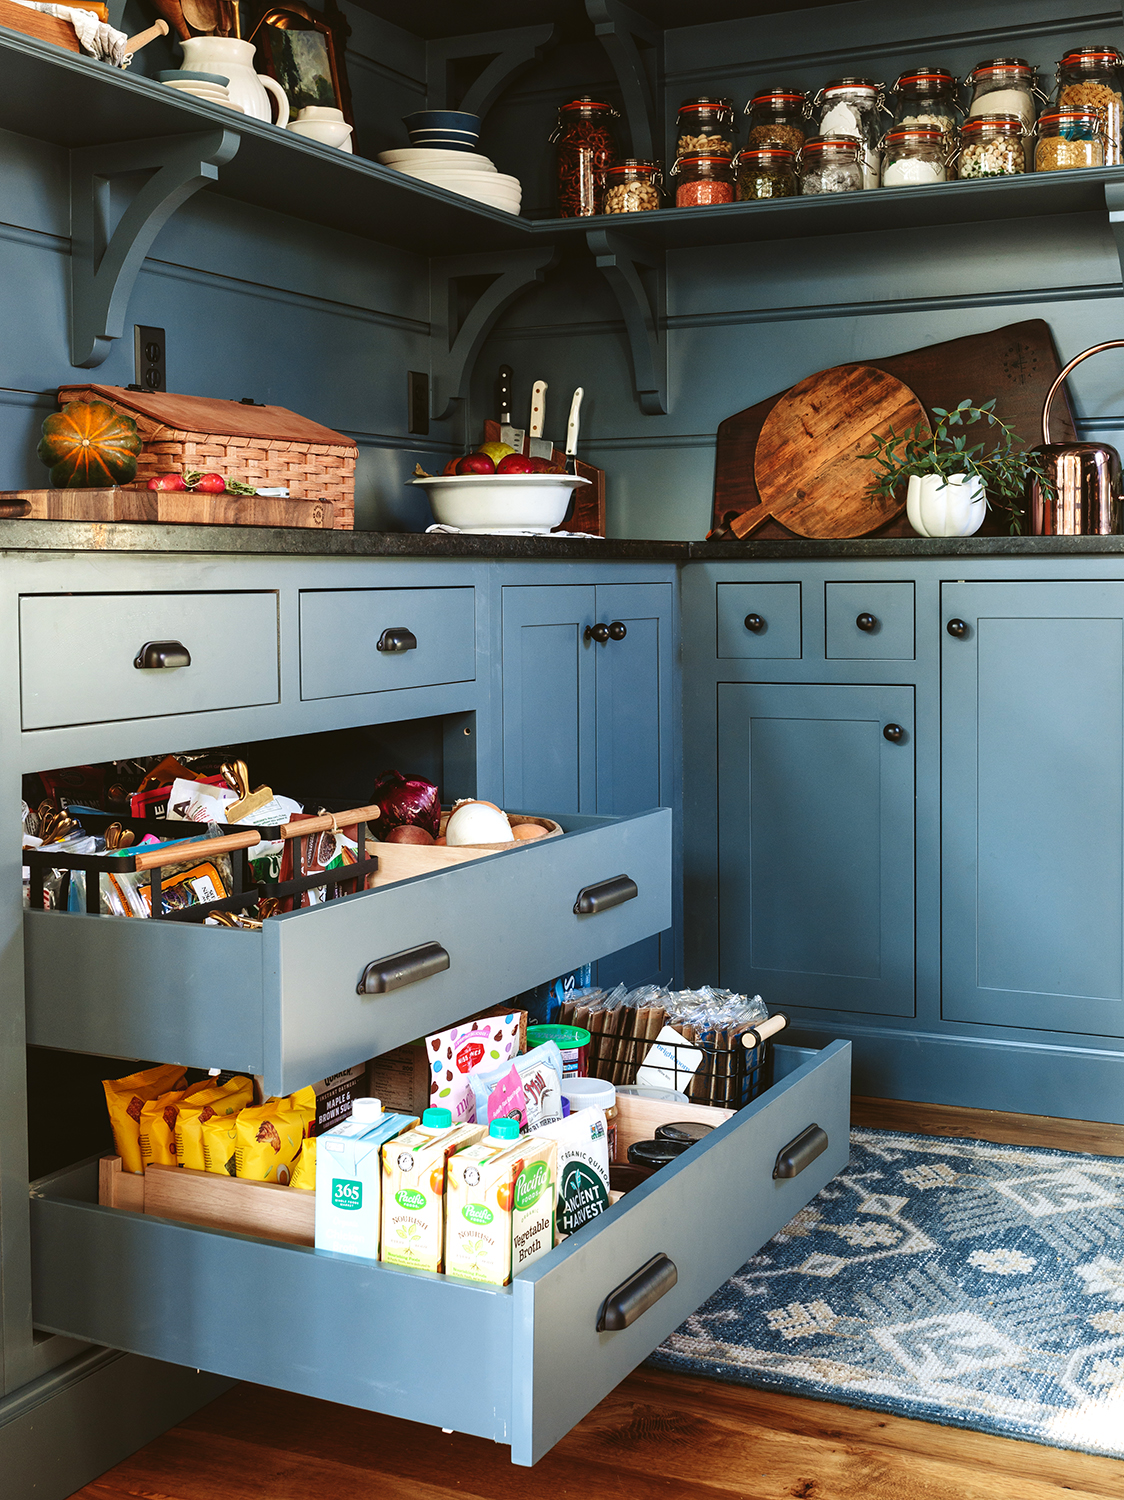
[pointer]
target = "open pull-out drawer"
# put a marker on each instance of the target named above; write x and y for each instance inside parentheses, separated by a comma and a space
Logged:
(519, 1364)
(319, 989)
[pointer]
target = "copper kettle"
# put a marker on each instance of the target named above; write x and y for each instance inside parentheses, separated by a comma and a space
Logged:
(1083, 498)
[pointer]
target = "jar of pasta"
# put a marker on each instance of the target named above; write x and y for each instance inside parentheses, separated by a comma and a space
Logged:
(992, 146)
(830, 164)
(925, 99)
(584, 149)
(1069, 138)
(778, 117)
(632, 187)
(913, 157)
(853, 106)
(700, 180)
(766, 173)
(1004, 86)
(705, 127)
(1093, 78)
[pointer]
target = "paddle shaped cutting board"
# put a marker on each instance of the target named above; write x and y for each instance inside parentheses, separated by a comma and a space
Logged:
(808, 465)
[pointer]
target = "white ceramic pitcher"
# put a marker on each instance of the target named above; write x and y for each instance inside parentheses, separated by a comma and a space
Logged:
(234, 59)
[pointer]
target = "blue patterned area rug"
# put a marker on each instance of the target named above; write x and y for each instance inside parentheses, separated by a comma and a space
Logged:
(964, 1283)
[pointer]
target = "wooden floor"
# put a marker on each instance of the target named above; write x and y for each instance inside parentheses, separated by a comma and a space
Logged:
(656, 1437)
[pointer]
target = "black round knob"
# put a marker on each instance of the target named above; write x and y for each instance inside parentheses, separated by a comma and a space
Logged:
(617, 631)
(958, 628)
(866, 622)
(893, 733)
(756, 623)
(597, 632)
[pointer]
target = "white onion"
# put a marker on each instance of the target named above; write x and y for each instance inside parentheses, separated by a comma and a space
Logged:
(477, 823)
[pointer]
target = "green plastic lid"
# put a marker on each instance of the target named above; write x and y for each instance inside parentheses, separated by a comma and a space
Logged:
(437, 1119)
(504, 1130)
(565, 1036)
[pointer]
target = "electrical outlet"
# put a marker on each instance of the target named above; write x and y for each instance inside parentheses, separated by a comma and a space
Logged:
(149, 351)
(418, 387)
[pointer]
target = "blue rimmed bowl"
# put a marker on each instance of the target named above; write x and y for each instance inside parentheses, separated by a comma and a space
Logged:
(443, 130)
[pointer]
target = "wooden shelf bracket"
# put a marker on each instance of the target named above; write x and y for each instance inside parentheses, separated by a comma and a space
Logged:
(467, 295)
(635, 49)
(106, 257)
(505, 53)
(636, 274)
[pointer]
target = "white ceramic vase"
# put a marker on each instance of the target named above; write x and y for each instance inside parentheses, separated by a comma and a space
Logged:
(939, 507)
(232, 58)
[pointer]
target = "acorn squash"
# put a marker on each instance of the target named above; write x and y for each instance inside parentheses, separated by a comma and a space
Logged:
(89, 446)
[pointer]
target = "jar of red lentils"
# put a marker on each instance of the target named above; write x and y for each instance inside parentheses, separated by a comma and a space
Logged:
(703, 179)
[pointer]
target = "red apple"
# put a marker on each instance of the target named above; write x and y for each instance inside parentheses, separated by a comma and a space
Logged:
(475, 463)
(539, 466)
(451, 466)
(515, 463)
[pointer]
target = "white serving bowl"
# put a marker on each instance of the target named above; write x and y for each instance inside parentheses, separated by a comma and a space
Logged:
(420, 157)
(327, 132)
(499, 503)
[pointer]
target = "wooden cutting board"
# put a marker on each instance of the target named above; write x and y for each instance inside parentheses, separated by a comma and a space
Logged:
(1016, 364)
(808, 464)
(166, 506)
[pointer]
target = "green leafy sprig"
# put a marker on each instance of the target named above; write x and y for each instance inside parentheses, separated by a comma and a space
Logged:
(1003, 468)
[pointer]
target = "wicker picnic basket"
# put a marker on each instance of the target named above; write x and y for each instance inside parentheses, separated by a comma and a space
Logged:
(266, 446)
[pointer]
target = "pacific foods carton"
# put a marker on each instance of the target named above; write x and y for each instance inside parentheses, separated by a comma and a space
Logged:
(349, 1183)
(413, 1194)
(501, 1208)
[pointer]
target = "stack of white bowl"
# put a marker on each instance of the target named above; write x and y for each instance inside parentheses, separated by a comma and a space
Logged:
(464, 172)
(209, 86)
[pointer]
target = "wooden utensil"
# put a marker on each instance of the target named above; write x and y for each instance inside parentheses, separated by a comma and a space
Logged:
(808, 466)
(201, 15)
(172, 12)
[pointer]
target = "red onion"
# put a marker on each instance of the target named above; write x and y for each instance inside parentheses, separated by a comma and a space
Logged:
(406, 799)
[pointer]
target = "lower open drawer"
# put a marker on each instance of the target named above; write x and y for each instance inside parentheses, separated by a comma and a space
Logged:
(283, 1002)
(519, 1364)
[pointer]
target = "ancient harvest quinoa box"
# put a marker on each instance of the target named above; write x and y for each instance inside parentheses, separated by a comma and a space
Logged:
(413, 1194)
(500, 1209)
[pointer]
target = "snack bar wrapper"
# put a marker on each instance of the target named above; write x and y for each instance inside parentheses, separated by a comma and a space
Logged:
(537, 1076)
(220, 1145)
(213, 1098)
(454, 1054)
(126, 1097)
(269, 1139)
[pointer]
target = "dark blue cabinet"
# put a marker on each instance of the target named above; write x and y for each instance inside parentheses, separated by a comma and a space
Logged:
(816, 844)
(1033, 805)
(588, 724)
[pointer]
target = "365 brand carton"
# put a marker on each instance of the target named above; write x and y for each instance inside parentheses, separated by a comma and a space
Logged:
(349, 1182)
(413, 1197)
(500, 1209)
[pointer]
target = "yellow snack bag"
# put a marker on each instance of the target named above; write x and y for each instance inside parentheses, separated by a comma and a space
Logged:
(269, 1140)
(304, 1102)
(220, 1144)
(209, 1100)
(157, 1127)
(304, 1168)
(126, 1097)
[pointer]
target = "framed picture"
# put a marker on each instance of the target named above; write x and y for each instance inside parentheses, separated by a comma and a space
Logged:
(303, 49)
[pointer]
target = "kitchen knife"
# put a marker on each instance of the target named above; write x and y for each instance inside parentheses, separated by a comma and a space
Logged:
(538, 446)
(572, 432)
(512, 436)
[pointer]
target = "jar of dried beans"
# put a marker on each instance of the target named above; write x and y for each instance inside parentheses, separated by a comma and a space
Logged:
(831, 164)
(1069, 138)
(925, 99)
(853, 106)
(584, 149)
(992, 146)
(766, 173)
(1093, 78)
(632, 187)
(778, 117)
(705, 127)
(703, 179)
(1004, 86)
(913, 157)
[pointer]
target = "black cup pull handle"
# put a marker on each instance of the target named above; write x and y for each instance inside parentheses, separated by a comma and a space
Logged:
(399, 969)
(894, 733)
(642, 1290)
(866, 622)
(801, 1153)
(595, 898)
(397, 638)
(957, 628)
(756, 623)
(156, 654)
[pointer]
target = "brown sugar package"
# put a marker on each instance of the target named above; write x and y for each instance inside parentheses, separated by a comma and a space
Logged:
(269, 1139)
(126, 1097)
(210, 1099)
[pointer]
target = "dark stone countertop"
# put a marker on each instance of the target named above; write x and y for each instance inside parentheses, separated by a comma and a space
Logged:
(87, 536)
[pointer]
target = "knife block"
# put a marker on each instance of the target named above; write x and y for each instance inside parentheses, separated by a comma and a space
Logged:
(589, 505)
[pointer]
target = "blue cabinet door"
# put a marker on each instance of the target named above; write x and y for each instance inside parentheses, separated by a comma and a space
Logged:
(1033, 805)
(816, 845)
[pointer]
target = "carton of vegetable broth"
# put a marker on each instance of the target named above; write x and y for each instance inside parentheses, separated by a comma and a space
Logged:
(500, 1209)
(413, 1194)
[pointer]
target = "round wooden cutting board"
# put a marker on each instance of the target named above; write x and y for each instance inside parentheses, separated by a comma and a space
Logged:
(807, 466)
